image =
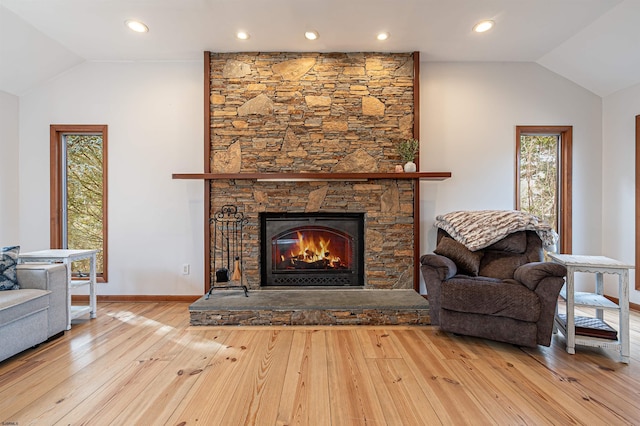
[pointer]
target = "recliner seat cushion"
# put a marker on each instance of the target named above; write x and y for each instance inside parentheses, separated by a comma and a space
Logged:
(503, 298)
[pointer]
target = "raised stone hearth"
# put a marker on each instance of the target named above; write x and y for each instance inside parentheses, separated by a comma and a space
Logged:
(311, 307)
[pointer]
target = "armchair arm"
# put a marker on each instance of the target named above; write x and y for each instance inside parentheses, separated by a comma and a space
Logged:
(444, 267)
(31, 276)
(531, 274)
(52, 277)
(545, 279)
(435, 269)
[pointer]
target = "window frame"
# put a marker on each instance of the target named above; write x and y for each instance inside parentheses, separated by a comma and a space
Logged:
(637, 212)
(56, 133)
(565, 184)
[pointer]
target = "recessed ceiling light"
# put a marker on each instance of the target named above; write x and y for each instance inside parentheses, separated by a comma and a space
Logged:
(382, 36)
(311, 35)
(136, 26)
(242, 35)
(483, 26)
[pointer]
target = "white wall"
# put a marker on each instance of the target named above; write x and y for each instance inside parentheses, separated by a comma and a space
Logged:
(155, 116)
(468, 115)
(618, 188)
(9, 170)
(154, 112)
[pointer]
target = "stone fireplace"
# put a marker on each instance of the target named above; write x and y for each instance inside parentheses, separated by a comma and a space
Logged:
(333, 114)
(307, 137)
(312, 249)
(388, 235)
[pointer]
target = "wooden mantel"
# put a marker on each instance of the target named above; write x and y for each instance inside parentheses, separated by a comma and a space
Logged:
(435, 176)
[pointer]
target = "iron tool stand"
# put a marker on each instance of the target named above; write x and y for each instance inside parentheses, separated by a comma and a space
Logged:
(228, 266)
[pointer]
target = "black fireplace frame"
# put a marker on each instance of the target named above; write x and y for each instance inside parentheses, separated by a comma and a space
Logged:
(352, 225)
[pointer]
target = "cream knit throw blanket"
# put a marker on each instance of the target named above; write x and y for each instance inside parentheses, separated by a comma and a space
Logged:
(479, 229)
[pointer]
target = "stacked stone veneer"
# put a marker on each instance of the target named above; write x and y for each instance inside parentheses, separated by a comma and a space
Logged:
(315, 112)
(311, 317)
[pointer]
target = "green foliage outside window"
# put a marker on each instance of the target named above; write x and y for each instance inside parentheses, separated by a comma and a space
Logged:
(84, 197)
(539, 176)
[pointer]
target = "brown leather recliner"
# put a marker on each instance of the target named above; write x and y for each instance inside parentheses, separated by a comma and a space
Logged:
(504, 292)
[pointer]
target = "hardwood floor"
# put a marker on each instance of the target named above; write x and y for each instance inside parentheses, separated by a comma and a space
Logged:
(141, 364)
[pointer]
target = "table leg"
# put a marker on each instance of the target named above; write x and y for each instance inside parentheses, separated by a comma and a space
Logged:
(623, 294)
(67, 262)
(92, 286)
(571, 329)
(600, 291)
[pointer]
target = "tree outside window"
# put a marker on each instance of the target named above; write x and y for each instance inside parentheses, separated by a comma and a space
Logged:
(539, 177)
(84, 194)
(543, 179)
(79, 193)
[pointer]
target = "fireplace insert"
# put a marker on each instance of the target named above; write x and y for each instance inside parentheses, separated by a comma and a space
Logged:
(312, 249)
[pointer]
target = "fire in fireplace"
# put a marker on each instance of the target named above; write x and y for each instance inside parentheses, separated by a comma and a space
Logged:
(312, 249)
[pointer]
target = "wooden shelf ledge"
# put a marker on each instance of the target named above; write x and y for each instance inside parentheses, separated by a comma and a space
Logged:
(434, 176)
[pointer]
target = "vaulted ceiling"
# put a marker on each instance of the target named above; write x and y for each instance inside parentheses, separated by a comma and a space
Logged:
(591, 42)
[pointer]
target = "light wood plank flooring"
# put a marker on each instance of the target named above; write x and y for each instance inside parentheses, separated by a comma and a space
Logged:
(141, 364)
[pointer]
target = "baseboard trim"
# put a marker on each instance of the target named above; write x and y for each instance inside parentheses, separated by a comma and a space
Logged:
(79, 298)
(632, 306)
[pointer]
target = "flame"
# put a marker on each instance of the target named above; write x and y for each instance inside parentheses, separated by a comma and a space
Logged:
(313, 250)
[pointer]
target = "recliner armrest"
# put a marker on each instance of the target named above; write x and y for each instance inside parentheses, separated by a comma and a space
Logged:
(444, 266)
(436, 269)
(531, 274)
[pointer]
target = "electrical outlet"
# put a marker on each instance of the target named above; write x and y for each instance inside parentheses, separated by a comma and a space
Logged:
(186, 269)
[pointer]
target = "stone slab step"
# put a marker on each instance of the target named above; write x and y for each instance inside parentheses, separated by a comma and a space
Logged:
(311, 307)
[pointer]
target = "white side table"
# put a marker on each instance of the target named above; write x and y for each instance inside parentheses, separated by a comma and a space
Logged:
(598, 265)
(67, 257)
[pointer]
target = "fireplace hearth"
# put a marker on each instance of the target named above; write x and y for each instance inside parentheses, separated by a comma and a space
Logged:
(312, 249)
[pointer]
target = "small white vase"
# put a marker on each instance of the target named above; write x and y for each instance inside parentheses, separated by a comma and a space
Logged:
(410, 167)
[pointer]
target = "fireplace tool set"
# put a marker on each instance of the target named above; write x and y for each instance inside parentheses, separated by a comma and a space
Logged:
(228, 223)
